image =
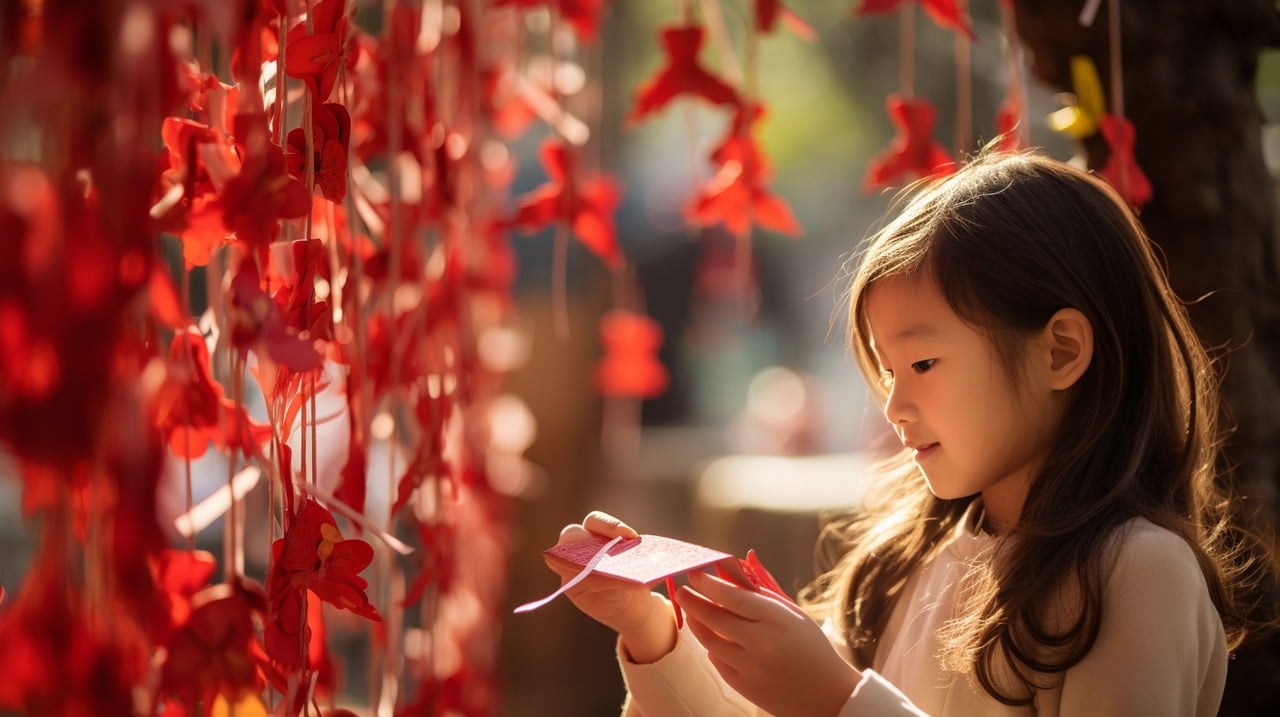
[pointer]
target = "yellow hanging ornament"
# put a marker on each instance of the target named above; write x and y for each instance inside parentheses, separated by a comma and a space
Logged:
(1079, 118)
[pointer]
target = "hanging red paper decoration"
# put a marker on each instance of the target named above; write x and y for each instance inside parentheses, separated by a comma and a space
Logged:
(630, 366)
(738, 194)
(1121, 169)
(681, 75)
(584, 204)
(913, 153)
(313, 54)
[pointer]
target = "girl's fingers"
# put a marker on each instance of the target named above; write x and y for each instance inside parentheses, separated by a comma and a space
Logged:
(722, 621)
(572, 533)
(602, 523)
(718, 646)
(744, 602)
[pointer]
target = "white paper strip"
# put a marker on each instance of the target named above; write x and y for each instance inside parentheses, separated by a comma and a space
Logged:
(214, 506)
(587, 569)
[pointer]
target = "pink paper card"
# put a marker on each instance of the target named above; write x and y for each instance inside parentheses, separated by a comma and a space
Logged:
(644, 560)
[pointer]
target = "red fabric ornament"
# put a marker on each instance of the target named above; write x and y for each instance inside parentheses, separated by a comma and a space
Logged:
(312, 556)
(738, 195)
(913, 152)
(330, 135)
(1122, 169)
(586, 206)
(630, 366)
(262, 193)
(216, 653)
(315, 56)
(190, 409)
(681, 75)
(199, 162)
(256, 322)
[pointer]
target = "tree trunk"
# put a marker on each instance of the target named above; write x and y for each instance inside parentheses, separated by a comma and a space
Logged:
(1189, 71)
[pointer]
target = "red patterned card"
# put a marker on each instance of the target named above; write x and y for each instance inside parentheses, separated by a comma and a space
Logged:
(645, 560)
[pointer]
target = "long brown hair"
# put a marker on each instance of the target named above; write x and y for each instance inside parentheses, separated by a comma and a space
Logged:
(1010, 239)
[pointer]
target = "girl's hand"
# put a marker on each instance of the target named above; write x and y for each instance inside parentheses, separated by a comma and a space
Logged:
(767, 649)
(643, 619)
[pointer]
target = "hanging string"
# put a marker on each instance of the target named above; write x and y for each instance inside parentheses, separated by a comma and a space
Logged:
(1117, 62)
(964, 89)
(907, 41)
(562, 234)
(1117, 80)
(1016, 79)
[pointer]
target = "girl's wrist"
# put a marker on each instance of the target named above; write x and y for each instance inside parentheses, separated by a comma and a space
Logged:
(653, 638)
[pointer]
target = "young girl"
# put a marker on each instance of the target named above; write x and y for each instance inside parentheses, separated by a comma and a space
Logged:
(1049, 541)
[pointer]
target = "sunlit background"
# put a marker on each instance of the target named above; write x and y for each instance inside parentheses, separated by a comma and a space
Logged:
(765, 425)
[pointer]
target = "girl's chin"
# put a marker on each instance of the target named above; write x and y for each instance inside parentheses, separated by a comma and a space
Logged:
(944, 491)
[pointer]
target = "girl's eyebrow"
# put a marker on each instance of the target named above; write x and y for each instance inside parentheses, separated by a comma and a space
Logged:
(916, 330)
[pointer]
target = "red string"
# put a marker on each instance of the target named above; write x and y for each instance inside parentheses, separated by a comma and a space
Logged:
(671, 593)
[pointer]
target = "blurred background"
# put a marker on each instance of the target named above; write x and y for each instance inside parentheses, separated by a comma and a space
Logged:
(765, 426)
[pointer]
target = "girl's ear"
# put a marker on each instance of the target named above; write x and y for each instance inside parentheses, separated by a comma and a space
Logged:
(1069, 336)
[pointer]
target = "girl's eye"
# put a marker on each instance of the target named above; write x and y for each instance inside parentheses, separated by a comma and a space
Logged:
(922, 366)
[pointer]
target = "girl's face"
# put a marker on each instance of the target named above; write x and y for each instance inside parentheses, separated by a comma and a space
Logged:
(951, 401)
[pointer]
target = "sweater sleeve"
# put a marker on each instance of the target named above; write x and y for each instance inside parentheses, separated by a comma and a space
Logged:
(681, 683)
(1160, 647)
(684, 684)
(874, 696)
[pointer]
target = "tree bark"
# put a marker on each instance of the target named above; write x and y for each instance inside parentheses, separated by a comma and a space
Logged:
(1189, 69)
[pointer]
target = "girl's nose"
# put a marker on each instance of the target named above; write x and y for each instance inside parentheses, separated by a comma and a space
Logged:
(898, 409)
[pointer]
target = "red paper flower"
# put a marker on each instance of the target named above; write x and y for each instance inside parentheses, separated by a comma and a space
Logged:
(291, 277)
(428, 462)
(737, 194)
(315, 56)
(913, 152)
(179, 575)
(330, 135)
(190, 409)
(1122, 170)
(946, 13)
(199, 162)
(314, 555)
(256, 322)
(585, 206)
(216, 653)
(630, 366)
(681, 75)
(262, 193)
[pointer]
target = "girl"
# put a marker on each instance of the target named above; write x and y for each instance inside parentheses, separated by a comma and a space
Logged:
(1049, 540)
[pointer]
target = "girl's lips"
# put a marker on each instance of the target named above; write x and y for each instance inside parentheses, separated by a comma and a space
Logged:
(925, 451)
